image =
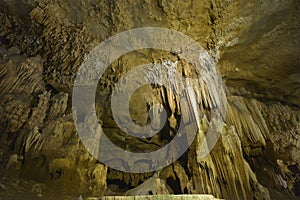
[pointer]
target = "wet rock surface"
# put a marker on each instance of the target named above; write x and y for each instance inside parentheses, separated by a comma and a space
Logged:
(256, 46)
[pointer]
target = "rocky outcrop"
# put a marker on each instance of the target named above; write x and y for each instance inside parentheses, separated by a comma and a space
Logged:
(38, 127)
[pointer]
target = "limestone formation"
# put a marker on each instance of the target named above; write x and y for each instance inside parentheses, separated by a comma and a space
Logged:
(255, 45)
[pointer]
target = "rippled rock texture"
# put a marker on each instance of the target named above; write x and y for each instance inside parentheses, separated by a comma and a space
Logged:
(256, 46)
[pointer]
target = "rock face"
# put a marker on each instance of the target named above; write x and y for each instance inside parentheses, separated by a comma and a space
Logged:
(39, 129)
(256, 46)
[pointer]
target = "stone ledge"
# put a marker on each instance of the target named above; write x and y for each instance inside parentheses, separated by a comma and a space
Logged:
(157, 197)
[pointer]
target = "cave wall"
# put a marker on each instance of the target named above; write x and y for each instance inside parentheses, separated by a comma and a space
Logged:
(255, 43)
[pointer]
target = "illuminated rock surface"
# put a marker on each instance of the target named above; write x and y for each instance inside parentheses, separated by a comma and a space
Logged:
(256, 45)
